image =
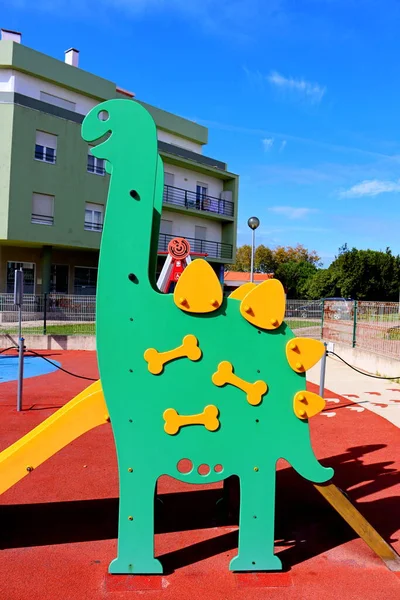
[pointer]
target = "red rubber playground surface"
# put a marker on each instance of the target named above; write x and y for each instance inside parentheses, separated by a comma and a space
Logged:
(58, 526)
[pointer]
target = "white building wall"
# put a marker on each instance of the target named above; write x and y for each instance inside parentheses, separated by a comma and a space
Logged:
(14, 81)
(187, 180)
(176, 140)
(6, 80)
(184, 225)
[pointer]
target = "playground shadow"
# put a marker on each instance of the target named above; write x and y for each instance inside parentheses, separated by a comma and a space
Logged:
(306, 525)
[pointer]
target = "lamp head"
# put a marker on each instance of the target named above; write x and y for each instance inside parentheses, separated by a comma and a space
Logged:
(253, 222)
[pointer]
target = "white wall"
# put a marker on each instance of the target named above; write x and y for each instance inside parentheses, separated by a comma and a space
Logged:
(14, 81)
(171, 138)
(6, 80)
(184, 225)
(187, 180)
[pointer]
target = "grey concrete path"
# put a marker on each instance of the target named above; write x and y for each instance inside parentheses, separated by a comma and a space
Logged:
(377, 395)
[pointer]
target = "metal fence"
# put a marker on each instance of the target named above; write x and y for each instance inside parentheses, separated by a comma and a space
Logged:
(372, 326)
(54, 314)
(304, 317)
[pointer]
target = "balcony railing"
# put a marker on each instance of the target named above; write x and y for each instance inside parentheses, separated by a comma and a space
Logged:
(212, 249)
(195, 201)
(90, 226)
(42, 219)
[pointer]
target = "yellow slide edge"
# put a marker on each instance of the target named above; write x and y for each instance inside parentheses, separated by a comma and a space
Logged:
(81, 414)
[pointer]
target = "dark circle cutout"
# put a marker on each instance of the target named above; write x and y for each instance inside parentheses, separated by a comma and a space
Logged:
(132, 277)
(184, 466)
(218, 468)
(133, 194)
(204, 470)
(103, 115)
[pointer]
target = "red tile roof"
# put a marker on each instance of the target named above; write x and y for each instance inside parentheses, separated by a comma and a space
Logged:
(245, 277)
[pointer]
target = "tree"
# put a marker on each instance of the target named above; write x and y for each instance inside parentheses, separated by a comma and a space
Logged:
(297, 253)
(322, 284)
(264, 260)
(367, 274)
(243, 259)
(294, 277)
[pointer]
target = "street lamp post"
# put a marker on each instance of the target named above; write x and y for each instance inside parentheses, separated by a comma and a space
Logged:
(253, 223)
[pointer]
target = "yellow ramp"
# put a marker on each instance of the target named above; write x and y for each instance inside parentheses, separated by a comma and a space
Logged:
(84, 412)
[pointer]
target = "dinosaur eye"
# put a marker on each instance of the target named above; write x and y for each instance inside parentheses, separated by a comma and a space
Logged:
(103, 115)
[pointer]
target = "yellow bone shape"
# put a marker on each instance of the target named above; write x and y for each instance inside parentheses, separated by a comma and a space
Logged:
(307, 404)
(174, 421)
(156, 360)
(255, 391)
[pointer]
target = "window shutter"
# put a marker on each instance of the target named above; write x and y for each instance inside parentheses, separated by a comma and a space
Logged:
(46, 139)
(166, 227)
(43, 205)
(168, 178)
(200, 232)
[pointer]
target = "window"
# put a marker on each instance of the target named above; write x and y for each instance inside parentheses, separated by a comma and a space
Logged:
(200, 234)
(169, 178)
(166, 227)
(56, 101)
(95, 165)
(94, 216)
(85, 280)
(45, 147)
(171, 195)
(201, 190)
(29, 276)
(42, 209)
(59, 279)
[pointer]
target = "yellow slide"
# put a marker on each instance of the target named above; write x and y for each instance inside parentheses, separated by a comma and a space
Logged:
(84, 412)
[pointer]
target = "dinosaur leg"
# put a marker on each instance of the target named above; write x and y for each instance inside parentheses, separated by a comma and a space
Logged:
(136, 524)
(256, 522)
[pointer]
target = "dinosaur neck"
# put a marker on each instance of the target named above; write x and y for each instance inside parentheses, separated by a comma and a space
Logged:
(127, 232)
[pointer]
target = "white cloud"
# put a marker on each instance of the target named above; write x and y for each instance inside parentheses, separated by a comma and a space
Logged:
(296, 138)
(282, 146)
(371, 187)
(291, 212)
(312, 91)
(268, 143)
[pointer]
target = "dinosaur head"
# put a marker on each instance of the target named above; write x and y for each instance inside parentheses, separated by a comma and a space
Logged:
(114, 118)
(98, 123)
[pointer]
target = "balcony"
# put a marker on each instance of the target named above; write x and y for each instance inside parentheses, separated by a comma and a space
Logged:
(212, 249)
(192, 200)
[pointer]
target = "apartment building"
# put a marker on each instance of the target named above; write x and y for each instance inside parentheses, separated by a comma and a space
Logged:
(53, 193)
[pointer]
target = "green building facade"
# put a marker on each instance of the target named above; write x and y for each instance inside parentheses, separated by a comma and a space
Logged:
(53, 193)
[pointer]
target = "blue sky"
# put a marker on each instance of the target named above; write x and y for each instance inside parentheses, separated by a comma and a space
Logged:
(301, 97)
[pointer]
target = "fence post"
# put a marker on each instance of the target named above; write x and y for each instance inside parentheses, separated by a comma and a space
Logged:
(45, 314)
(354, 325)
(322, 319)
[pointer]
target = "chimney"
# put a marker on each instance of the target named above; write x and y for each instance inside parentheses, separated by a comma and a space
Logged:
(72, 57)
(8, 34)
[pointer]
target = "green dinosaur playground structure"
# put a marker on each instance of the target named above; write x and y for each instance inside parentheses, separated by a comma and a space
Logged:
(206, 387)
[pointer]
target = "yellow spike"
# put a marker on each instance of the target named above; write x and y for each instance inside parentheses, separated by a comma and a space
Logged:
(304, 353)
(264, 305)
(242, 291)
(198, 289)
(307, 405)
